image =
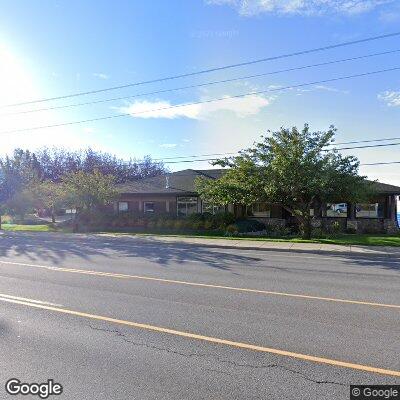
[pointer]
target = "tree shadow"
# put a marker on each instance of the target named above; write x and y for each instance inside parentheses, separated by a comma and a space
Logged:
(41, 247)
(57, 247)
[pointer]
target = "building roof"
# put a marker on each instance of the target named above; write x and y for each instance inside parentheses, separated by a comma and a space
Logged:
(183, 182)
(384, 188)
(180, 182)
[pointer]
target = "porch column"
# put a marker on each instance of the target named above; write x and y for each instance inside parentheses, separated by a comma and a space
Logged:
(391, 212)
(389, 223)
(140, 205)
(167, 206)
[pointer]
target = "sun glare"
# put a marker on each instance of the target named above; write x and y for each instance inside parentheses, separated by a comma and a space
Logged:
(15, 82)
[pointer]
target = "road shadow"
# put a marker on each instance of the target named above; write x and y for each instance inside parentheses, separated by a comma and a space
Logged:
(57, 247)
(40, 247)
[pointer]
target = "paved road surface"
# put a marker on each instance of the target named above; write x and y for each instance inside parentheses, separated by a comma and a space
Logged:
(55, 322)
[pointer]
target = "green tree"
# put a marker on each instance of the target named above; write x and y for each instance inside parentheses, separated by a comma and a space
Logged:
(89, 191)
(50, 196)
(20, 204)
(294, 168)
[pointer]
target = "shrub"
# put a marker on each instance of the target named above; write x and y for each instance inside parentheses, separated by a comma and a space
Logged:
(179, 224)
(231, 230)
(318, 233)
(160, 223)
(141, 222)
(224, 219)
(335, 227)
(198, 225)
(278, 230)
(195, 217)
(7, 219)
(208, 224)
(151, 224)
(169, 223)
(351, 230)
(249, 225)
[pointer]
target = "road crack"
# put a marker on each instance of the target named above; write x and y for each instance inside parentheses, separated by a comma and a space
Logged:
(218, 359)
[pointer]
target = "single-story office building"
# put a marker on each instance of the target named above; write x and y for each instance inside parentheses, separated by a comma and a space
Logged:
(175, 194)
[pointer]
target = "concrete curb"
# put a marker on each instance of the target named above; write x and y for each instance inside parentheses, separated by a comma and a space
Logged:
(316, 248)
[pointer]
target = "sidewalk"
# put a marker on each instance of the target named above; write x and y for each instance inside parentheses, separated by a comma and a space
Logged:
(277, 246)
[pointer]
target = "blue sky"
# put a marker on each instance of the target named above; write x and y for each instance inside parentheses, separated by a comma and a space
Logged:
(59, 47)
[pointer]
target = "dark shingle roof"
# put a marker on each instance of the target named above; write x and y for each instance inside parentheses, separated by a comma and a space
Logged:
(180, 182)
(183, 182)
(384, 188)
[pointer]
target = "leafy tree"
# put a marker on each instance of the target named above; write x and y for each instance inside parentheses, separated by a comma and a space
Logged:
(55, 163)
(20, 204)
(50, 196)
(17, 172)
(294, 168)
(89, 191)
(24, 169)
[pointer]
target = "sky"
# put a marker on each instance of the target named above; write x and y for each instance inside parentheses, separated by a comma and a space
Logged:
(55, 48)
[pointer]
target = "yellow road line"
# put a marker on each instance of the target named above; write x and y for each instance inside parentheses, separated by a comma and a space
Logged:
(240, 345)
(178, 282)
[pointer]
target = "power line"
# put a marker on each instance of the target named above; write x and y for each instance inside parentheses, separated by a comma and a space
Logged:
(368, 146)
(200, 102)
(383, 163)
(367, 141)
(235, 153)
(224, 154)
(278, 57)
(193, 156)
(203, 84)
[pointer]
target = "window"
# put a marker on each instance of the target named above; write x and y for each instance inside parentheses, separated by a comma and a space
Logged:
(122, 206)
(261, 210)
(337, 210)
(186, 206)
(148, 207)
(374, 210)
(212, 208)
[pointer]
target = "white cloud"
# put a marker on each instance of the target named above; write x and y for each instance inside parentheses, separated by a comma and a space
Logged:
(330, 89)
(390, 16)
(305, 7)
(390, 97)
(168, 145)
(241, 107)
(100, 75)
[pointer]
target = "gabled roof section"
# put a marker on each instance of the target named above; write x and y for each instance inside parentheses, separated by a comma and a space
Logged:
(180, 182)
(183, 182)
(384, 188)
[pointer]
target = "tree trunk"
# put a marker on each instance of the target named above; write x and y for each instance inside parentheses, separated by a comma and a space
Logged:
(306, 228)
(0, 222)
(53, 218)
(305, 224)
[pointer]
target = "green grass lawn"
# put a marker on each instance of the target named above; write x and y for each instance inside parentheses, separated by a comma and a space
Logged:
(343, 239)
(366, 240)
(31, 228)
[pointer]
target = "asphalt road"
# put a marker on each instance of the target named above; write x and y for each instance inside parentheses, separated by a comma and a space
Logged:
(80, 310)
